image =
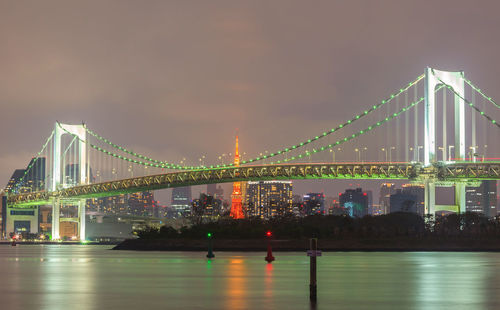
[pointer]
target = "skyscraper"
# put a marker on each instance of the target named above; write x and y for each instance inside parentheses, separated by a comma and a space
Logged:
(417, 190)
(355, 202)
(207, 206)
(482, 199)
(314, 203)
(181, 200)
(402, 201)
(141, 204)
(14, 180)
(386, 190)
(269, 198)
(236, 201)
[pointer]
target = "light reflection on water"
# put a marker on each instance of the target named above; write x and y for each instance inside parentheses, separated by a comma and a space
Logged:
(92, 277)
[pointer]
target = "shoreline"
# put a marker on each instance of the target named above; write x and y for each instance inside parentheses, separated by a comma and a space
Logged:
(325, 245)
(59, 243)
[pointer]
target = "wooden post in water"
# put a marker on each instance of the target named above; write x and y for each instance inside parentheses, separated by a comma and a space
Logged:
(312, 271)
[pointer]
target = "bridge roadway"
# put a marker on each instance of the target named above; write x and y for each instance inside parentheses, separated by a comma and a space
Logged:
(446, 172)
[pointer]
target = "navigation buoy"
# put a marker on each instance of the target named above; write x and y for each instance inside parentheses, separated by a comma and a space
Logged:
(210, 253)
(269, 258)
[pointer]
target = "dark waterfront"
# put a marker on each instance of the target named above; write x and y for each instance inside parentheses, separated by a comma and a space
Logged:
(92, 277)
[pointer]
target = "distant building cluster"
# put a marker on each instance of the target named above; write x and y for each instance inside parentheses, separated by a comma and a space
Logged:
(135, 204)
(261, 199)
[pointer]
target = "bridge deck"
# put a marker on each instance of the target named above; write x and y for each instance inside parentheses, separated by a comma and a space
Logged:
(453, 172)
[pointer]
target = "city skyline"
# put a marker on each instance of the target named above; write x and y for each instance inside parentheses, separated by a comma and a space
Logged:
(326, 80)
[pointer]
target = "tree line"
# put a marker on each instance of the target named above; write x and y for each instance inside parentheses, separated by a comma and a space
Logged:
(393, 225)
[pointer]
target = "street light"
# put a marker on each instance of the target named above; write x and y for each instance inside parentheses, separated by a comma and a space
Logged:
(473, 153)
(390, 153)
(384, 150)
(449, 151)
(418, 152)
(364, 149)
(333, 155)
(359, 153)
(222, 158)
(202, 161)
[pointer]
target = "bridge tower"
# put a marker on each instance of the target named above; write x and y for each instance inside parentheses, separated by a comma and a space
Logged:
(455, 80)
(236, 197)
(80, 133)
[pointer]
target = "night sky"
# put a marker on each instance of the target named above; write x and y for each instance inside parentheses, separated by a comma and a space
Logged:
(177, 79)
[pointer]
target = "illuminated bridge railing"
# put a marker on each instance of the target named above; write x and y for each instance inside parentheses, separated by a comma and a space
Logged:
(243, 173)
(473, 171)
(469, 171)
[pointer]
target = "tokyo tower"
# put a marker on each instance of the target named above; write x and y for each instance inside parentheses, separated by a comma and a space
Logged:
(236, 205)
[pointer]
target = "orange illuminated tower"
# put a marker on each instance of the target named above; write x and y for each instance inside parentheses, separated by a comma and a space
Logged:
(236, 205)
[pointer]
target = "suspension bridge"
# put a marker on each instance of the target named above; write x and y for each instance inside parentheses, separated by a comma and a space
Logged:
(76, 163)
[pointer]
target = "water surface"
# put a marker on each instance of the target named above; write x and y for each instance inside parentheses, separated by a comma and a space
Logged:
(93, 277)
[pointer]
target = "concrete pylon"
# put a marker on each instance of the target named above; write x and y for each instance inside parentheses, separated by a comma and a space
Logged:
(430, 197)
(56, 212)
(460, 197)
(58, 183)
(81, 219)
(455, 80)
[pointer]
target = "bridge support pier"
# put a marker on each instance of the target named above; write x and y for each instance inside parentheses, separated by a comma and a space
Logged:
(460, 197)
(430, 197)
(81, 219)
(56, 212)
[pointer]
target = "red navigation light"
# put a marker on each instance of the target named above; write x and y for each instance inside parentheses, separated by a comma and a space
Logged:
(269, 233)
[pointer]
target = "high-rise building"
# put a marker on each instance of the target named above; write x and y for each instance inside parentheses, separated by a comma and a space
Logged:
(14, 180)
(482, 199)
(355, 202)
(402, 201)
(236, 199)
(141, 204)
(117, 205)
(369, 194)
(314, 203)
(32, 180)
(384, 201)
(269, 198)
(417, 190)
(244, 202)
(181, 200)
(207, 206)
(35, 177)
